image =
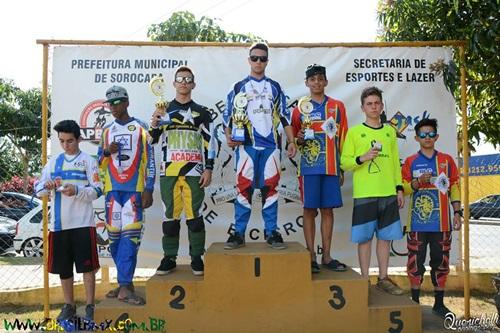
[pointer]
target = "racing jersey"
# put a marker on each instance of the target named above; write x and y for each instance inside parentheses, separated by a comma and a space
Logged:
(70, 212)
(266, 108)
(187, 140)
(132, 168)
(321, 155)
(429, 207)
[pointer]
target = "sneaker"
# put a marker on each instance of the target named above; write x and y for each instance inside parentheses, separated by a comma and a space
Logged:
(68, 311)
(276, 241)
(234, 241)
(389, 286)
(315, 267)
(89, 312)
(167, 265)
(440, 311)
(197, 266)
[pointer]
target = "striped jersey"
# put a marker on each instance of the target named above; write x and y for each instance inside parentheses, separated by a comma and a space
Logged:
(76, 211)
(429, 207)
(266, 108)
(321, 155)
(187, 140)
(380, 176)
(132, 168)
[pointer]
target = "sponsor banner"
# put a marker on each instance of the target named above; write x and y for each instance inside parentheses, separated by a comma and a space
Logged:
(81, 75)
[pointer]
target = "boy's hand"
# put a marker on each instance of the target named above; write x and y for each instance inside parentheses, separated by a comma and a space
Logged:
(369, 155)
(425, 178)
(291, 150)
(50, 185)
(113, 147)
(401, 199)
(206, 178)
(230, 141)
(147, 199)
(457, 222)
(69, 190)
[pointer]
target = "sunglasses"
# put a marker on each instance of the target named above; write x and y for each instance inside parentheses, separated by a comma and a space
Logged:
(254, 58)
(430, 135)
(186, 79)
(117, 101)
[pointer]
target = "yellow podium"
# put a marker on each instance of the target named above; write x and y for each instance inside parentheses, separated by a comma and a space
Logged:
(258, 289)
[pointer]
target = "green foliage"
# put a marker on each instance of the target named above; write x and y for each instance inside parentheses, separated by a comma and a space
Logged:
(477, 22)
(20, 129)
(183, 26)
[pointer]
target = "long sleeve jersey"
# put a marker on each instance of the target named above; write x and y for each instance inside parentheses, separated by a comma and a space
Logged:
(69, 212)
(132, 168)
(266, 108)
(379, 177)
(429, 207)
(321, 155)
(187, 140)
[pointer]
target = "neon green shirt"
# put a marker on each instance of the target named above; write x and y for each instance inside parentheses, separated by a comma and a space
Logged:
(379, 177)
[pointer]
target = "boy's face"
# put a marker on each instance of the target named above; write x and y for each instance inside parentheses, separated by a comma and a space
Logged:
(257, 65)
(118, 108)
(183, 87)
(426, 137)
(316, 84)
(372, 107)
(69, 143)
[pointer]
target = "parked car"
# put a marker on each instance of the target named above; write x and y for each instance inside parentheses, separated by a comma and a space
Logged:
(487, 207)
(28, 239)
(15, 205)
(7, 233)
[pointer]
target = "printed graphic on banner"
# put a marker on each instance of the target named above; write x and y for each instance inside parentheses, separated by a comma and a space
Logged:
(94, 117)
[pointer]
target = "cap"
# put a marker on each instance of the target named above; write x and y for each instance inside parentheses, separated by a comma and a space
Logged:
(314, 69)
(116, 92)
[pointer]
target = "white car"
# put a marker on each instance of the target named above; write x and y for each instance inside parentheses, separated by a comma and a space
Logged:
(29, 233)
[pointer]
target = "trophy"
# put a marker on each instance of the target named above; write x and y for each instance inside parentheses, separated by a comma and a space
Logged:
(240, 118)
(305, 107)
(157, 87)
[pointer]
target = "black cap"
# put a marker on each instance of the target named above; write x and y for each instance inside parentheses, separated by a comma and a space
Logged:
(314, 69)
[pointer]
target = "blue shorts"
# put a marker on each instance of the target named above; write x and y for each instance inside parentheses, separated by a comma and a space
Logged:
(320, 191)
(378, 215)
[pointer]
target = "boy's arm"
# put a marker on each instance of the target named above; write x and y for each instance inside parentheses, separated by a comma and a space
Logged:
(227, 119)
(397, 165)
(103, 155)
(39, 186)
(296, 125)
(207, 132)
(342, 127)
(149, 159)
(94, 190)
(348, 159)
(454, 183)
(407, 177)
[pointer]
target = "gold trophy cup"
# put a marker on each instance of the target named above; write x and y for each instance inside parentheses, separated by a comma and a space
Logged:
(240, 118)
(306, 107)
(157, 87)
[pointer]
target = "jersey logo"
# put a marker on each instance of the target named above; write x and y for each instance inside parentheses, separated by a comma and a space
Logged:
(131, 128)
(125, 141)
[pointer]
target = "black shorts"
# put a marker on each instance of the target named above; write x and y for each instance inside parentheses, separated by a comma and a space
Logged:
(76, 246)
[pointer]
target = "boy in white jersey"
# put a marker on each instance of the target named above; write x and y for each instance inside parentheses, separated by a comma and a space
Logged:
(72, 179)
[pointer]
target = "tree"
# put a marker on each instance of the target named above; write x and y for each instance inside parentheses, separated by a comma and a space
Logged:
(475, 21)
(183, 26)
(20, 128)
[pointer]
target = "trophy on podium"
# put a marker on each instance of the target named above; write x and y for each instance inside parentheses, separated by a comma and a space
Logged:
(157, 87)
(240, 118)
(305, 107)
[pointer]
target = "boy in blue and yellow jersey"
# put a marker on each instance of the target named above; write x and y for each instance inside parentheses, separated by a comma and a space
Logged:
(127, 161)
(319, 171)
(186, 169)
(72, 179)
(432, 180)
(257, 156)
(371, 152)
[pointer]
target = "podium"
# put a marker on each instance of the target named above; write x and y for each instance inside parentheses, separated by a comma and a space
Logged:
(258, 289)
